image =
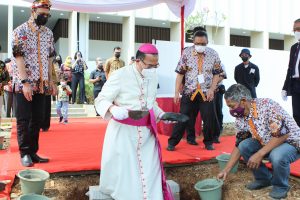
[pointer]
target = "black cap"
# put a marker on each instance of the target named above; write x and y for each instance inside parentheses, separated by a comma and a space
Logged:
(247, 51)
(7, 60)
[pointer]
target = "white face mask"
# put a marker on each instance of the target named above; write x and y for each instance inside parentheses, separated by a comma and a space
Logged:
(200, 49)
(149, 73)
(63, 83)
(297, 35)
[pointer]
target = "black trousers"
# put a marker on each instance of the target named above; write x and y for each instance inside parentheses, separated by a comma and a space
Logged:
(296, 100)
(78, 78)
(190, 127)
(29, 115)
(9, 106)
(47, 113)
(96, 92)
(210, 127)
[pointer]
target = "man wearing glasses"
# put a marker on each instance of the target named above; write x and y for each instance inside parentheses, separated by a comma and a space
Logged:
(33, 54)
(201, 68)
(291, 85)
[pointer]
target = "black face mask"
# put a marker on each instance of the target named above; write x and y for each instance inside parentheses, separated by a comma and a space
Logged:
(117, 55)
(41, 20)
(100, 67)
(245, 59)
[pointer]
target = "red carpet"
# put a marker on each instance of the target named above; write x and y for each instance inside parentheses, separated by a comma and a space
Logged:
(77, 147)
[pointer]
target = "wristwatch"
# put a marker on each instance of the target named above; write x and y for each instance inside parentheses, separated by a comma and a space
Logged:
(24, 81)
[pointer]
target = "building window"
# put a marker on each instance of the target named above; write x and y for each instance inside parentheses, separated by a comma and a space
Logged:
(276, 44)
(105, 31)
(240, 41)
(60, 29)
(145, 34)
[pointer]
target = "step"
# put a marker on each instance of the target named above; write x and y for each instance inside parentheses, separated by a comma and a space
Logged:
(53, 105)
(71, 110)
(71, 114)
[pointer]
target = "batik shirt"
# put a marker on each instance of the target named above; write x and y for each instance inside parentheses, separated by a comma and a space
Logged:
(269, 116)
(35, 44)
(188, 66)
(113, 64)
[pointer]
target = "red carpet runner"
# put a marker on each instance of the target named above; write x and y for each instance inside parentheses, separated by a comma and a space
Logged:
(77, 147)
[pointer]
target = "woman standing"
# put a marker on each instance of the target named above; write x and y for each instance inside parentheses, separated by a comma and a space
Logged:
(78, 68)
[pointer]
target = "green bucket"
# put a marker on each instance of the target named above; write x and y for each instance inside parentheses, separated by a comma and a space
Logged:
(33, 180)
(33, 197)
(223, 159)
(209, 189)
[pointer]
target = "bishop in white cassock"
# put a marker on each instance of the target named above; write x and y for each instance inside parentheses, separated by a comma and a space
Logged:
(131, 167)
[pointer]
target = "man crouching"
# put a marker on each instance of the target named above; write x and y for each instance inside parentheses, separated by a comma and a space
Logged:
(265, 131)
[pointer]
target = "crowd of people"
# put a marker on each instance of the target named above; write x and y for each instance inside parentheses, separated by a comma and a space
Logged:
(126, 95)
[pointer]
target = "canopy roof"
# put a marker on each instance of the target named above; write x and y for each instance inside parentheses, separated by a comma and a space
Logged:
(121, 5)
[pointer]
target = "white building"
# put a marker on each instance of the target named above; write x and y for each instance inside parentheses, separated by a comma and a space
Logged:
(257, 24)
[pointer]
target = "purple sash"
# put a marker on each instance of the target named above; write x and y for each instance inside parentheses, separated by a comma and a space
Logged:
(150, 122)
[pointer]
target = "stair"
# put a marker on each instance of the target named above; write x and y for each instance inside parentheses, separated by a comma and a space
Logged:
(75, 110)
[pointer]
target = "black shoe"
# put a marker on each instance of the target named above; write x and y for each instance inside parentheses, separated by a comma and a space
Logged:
(192, 142)
(37, 159)
(45, 129)
(216, 141)
(170, 148)
(60, 119)
(97, 115)
(209, 147)
(26, 161)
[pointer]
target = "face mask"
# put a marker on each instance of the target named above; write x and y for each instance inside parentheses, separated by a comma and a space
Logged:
(63, 83)
(117, 55)
(100, 66)
(149, 73)
(41, 20)
(200, 49)
(238, 112)
(245, 59)
(297, 35)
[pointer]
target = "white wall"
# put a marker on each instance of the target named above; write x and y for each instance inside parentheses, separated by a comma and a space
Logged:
(272, 64)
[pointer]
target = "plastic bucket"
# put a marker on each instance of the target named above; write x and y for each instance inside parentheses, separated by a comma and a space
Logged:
(223, 159)
(33, 197)
(209, 189)
(33, 180)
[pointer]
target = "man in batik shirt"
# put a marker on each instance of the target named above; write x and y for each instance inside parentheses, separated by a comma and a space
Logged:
(33, 53)
(265, 130)
(201, 68)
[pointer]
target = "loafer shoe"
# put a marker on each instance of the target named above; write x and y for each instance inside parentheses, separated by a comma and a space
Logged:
(37, 159)
(170, 148)
(26, 161)
(209, 147)
(278, 193)
(192, 142)
(256, 185)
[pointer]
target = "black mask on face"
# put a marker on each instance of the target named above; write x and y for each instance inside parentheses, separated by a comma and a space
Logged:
(245, 59)
(100, 66)
(117, 55)
(41, 20)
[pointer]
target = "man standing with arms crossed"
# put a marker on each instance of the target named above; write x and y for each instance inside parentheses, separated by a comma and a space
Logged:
(33, 53)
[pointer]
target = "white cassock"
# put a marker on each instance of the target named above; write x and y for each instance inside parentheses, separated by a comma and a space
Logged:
(130, 166)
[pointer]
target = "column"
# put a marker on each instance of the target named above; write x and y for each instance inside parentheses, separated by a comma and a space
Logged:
(175, 32)
(10, 25)
(260, 40)
(84, 35)
(128, 37)
(72, 33)
(289, 40)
